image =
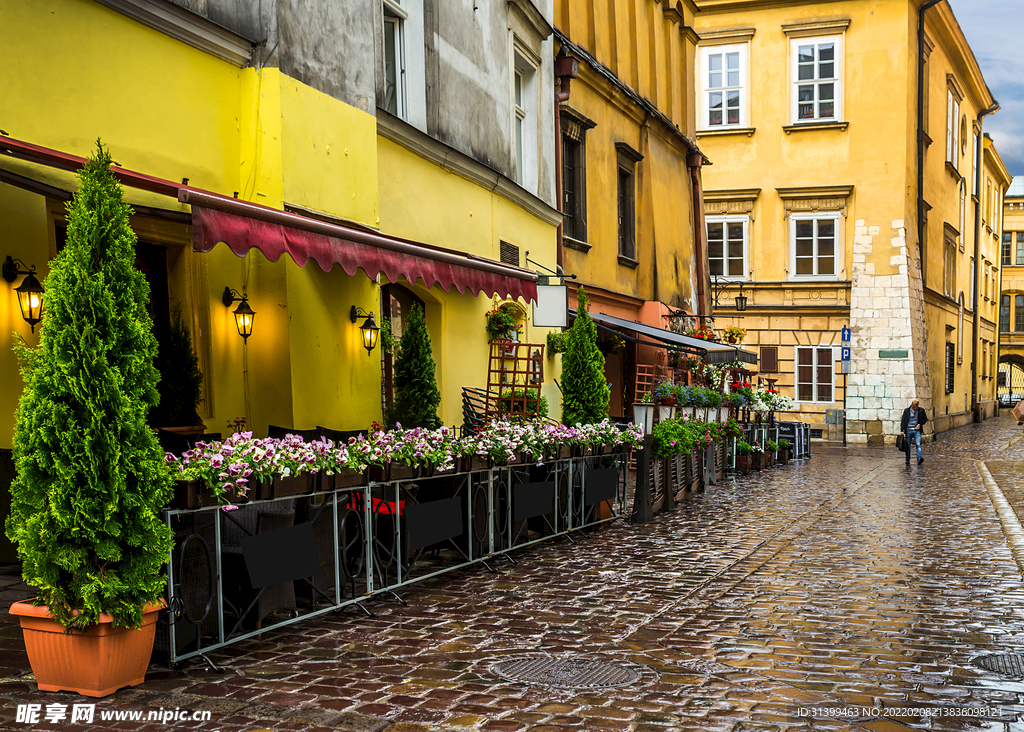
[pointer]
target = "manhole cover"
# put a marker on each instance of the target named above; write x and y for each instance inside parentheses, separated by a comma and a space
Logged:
(1007, 664)
(565, 673)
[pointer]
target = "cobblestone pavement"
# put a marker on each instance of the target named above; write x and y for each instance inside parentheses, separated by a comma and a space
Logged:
(848, 582)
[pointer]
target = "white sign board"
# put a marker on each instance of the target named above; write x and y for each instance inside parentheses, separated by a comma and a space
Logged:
(551, 309)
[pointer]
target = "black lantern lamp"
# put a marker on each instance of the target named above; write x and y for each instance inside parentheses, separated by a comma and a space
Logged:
(369, 329)
(30, 292)
(721, 286)
(244, 315)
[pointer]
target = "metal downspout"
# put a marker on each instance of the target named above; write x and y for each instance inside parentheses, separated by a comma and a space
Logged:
(694, 161)
(979, 155)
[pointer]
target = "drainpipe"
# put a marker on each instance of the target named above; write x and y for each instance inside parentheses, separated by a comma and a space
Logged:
(566, 68)
(694, 161)
(920, 132)
(979, 156)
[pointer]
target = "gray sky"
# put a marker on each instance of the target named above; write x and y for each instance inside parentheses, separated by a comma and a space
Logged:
(995, 30)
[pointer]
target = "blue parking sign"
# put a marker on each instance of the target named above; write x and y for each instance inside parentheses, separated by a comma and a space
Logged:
(846, 354)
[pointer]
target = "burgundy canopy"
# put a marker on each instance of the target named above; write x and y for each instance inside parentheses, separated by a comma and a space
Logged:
(244, 226)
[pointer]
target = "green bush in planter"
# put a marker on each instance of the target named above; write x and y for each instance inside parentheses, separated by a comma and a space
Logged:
(416, 394)
(784, 444)
(584, 387)
(744, 448)
(91, 476)
(513, 401)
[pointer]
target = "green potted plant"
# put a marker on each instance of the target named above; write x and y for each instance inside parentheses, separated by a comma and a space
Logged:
(519, 402)
(91, 476)
(771, 447)
(556, 342)
(784, 447)
(734, 334)
(585, 391)
(744, 457)
(502, 324)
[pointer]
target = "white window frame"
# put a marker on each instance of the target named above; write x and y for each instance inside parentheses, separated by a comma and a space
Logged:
(814, 366)
(396, 16)
(725, 221)
(953, 142)
(705, 79)
(974, 165)
(949, 125)
(524, 118)
(838, 255)
(837, 79)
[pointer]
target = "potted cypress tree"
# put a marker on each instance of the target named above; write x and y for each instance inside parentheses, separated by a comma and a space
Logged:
(416, 394)
(91, 476)
(584, 387)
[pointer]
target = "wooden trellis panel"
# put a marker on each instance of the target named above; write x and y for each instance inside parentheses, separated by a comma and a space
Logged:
(515, 373)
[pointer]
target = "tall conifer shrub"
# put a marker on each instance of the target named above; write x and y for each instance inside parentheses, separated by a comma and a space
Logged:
(584, 388)
(416, 394)
(91, 476)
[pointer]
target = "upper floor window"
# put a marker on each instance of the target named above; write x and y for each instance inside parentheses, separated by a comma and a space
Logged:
(953, 127)
(574, 177)
(727, 245)
(1018, 313)
(1020, 247)
(817, 81)
(1007, 248)
(813, 245)
(524, 98)
(949, 263)
(626, 189)
(974, 165)
(724, 81)
(1004, 314)
(395, 93)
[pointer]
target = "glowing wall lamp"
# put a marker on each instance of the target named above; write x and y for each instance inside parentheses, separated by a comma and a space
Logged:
(369, 328)
(30, 292)
(244, 315)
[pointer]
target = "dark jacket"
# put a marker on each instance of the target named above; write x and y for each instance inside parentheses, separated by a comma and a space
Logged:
(922, 418)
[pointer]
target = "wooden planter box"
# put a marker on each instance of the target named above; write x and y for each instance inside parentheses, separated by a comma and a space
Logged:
(758, 461)
(744, 464)
(195, 494)
(783, 457)
(343, 478)
(473, 462)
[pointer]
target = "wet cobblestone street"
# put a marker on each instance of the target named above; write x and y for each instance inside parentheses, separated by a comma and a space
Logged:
(847, 581)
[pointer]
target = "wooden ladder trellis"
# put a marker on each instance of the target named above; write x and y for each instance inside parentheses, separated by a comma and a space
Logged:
(515, 373)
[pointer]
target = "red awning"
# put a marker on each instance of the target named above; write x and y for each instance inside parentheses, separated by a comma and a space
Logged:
(244, 226)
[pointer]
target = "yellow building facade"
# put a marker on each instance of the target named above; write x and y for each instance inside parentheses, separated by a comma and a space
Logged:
(188, 100)
(631, 169)
(1011, 294)
(813, 204)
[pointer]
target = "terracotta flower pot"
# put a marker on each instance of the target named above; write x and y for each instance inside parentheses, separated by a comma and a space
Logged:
(95, 662)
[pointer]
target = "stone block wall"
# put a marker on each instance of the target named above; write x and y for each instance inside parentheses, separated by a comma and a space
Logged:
(886, 314)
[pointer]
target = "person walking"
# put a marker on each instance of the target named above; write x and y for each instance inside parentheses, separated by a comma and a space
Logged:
(912, 428)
